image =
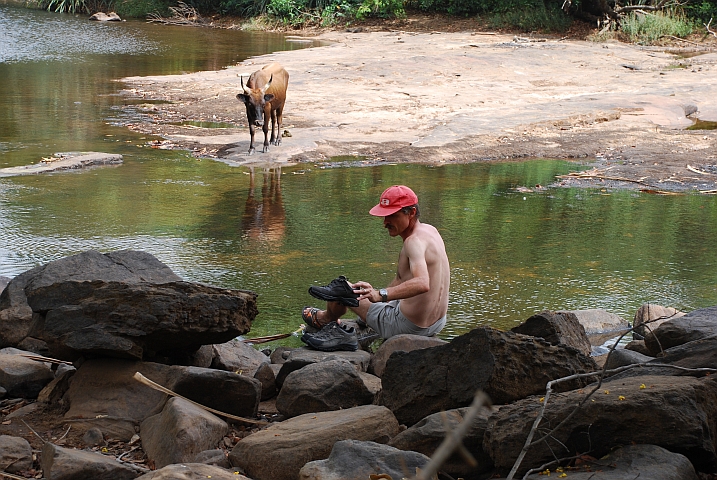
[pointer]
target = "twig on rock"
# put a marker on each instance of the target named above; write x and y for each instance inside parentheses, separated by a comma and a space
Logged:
(529, 442)
(142, 379)
(40, 358)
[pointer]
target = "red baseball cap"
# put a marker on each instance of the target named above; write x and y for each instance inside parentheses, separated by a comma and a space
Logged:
(394, 199)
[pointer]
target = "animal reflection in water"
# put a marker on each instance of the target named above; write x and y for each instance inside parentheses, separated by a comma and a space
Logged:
(264, 220)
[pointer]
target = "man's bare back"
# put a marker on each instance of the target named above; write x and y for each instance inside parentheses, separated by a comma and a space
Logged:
(425, 246)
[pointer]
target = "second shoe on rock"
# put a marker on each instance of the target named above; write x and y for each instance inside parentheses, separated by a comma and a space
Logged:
(334, 336)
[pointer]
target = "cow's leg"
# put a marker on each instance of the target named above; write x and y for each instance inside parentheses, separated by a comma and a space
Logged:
(276, 119)
(265, 127)
(251, 144)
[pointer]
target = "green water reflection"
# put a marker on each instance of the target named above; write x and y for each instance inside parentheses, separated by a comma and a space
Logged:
(277, 232)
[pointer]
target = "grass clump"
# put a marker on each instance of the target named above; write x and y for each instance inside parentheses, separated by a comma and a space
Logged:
(647, 28)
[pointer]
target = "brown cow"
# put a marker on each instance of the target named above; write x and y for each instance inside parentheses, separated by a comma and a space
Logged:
(264, 96)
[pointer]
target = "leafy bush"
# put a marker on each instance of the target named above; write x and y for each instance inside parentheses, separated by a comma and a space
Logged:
(381, 9)
(133, 8)
(702, 11)
(290, 11)
(647, 28)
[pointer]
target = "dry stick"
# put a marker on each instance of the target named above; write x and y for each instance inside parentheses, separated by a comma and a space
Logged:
(40, 358)
(603, 177)
(65, 434)
(680, 39)
(454, 438)
(33, 431)
(142, 379)
(707, 26)
(10, 475)
(271, 338)
(601, 375)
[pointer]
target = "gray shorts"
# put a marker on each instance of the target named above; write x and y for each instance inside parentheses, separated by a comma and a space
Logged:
(387, 320)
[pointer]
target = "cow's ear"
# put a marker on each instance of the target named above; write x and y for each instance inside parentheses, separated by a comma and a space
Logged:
(268, 97)
(242, 98)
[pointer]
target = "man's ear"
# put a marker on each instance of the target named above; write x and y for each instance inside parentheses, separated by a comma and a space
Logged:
(268, 97)
(242, 98)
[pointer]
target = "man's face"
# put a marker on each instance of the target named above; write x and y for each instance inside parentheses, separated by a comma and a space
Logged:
(396, 223)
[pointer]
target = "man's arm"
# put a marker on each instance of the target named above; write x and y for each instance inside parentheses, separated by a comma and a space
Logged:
(420, 282)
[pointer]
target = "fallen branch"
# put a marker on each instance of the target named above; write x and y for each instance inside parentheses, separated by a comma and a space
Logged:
(680, 39)
(693, 169)
(10, 475)
(454, 439)
(707, 26)
(182, 14)
(142, 379)
(271, 338)
(601, 177)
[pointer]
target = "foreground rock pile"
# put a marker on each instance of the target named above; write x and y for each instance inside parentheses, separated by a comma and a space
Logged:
(76, 332)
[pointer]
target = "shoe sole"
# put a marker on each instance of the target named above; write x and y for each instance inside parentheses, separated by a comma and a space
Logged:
(344, 348)
(349, 302)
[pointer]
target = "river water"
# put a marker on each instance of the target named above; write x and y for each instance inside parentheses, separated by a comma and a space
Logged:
(278, 231)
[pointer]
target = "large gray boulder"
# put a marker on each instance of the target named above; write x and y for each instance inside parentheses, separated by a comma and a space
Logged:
(238, 357)
(125, 266)
(403, 343)
(3, 282)
(425, 437)
(279, 451)
(557, 328)
(676, 413)
(60, 463)
(321, 387)
(650, 316)
(180, 432)
(15, 454)
(597, 320)
(505, 365)
(22, 377)
(15, 313)
(693, 326)
(301, 357)
(136, 320)
(104, 394)
(357, 460)
(636, 461)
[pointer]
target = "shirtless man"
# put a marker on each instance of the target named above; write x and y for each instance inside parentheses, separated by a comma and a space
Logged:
(416, 301)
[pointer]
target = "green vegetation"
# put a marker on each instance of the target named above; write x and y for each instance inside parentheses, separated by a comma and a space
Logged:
(647, 28)
(62, 6)
(645, 25)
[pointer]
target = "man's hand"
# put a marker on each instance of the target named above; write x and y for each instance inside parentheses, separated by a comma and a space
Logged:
(365, 290)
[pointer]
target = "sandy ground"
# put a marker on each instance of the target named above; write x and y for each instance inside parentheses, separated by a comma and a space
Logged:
(464, 97)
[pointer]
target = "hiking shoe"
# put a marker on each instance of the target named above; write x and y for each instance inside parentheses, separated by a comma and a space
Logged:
(339, 290)
(332, 337)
